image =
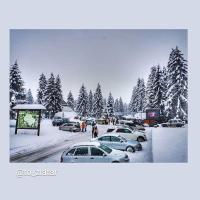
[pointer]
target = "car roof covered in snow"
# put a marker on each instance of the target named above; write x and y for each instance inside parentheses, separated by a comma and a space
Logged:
(29, 107)
(110, 134)
(86, 144)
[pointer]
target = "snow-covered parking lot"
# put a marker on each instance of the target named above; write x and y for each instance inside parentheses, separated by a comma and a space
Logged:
(163, 145)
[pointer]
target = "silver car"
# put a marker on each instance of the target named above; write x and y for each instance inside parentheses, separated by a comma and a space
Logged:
(75, 127)
(118, 142)
(93, 152)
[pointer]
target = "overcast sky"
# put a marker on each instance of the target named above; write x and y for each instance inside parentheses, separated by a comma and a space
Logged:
(114, 58)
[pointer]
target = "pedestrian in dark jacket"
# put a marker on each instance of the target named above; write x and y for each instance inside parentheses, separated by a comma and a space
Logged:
(96, 132)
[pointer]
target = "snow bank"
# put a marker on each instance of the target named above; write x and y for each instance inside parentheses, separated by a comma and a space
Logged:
(170, 144)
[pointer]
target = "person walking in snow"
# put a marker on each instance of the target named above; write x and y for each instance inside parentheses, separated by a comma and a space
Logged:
(82, 126)
(93, 125)
(85, 126)
(96, 132)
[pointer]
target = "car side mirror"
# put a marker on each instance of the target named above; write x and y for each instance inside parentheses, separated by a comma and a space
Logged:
(104, 155)
(121, 141)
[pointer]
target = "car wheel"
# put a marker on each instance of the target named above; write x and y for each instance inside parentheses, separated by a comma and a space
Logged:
(130, 149)
(140, 139)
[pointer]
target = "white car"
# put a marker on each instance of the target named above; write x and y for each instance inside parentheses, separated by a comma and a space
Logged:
(129, 133)
(93, 152)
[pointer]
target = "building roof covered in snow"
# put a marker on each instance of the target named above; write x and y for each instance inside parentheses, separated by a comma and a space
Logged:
(29, 107)
(70, 114)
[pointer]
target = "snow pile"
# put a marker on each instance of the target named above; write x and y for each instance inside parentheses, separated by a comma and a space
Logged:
(170, 144)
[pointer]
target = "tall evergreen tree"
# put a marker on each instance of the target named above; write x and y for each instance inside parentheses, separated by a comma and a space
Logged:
(157, 89)
(70, 100)
(41, 89)
(116, 105)
(164, 81)
(177, 89)
(82, 103)
(58, 94)
(98, 102)
(50, 96)
(16, 83)
(29, 97)
(126, 110)
(133, 102)
(104, 103)
(110, 105)
(121, 106)
(150, 94)
(141, 99)
(17, 91)
(90, 104)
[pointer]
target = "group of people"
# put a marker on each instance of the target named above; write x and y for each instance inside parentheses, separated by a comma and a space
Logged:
(112, 121)
(83, 126)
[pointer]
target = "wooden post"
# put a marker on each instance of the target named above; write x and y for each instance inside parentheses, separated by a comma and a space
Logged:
(39, 123)
(16, 122)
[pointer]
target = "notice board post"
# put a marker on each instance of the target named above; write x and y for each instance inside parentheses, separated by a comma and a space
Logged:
(28, 116)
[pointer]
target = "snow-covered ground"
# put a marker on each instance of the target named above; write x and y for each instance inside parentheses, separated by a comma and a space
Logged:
(27, 140)
(163, 145)
(169, 145)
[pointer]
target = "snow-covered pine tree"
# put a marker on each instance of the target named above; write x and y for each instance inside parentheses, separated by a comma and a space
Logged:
(17, 91)
(41, 89)
(116, 105)
(141, 99)
(157, 89)
(150, 88)
(16, 83)
(104, 103)
(177, 92)
(110, 105)
(29, 97)
(70, 100)
(133, 101)
(164, 81)
(121, 106)
(58, 94)
(50, 96)
(82, 102)
(90, 104)
(126, 110)
(98, 102)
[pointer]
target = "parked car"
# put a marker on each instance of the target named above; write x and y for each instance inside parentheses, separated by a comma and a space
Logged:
(70, 126)
(101, 121)
(117, 142)
(132, 124)
(93, 152)
(58, 121)
(89, 121)
(129, 133)
(173, 123)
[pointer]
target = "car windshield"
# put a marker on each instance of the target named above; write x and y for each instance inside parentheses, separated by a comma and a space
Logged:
(105, 148)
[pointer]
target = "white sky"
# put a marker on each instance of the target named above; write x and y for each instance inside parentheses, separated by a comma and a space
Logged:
(115, 58)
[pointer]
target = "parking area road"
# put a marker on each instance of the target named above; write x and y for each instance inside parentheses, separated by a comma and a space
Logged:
(52, 154)
(143, 156)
